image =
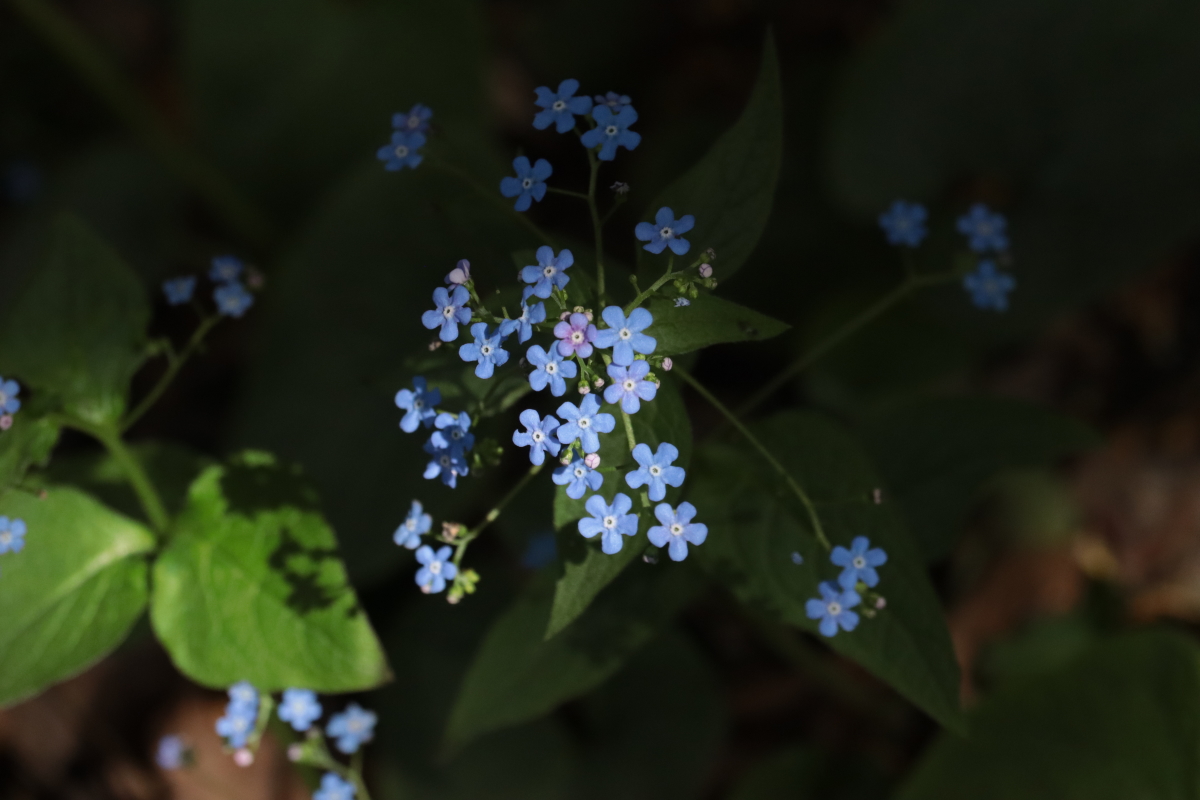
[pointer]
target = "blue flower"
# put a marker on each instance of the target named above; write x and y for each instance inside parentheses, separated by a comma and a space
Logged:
(179, 290)
(530, 183)
(334, 787)
(485, 349)
(402, 152)
(612, 131)
(530, 316)
(419, 405)
(300, 708)
(241, 715)
(550, 370)
(989, 288)
(445, 463)
(584, 422)
(225, 269)
(453, 433)
(611, 522)
(355, 725)
(171, 752)
(858, 563)
(416, 523)
(243, 695)
(576, 335)
(232, 299)
(9, 403)
(12, 535)
(451, 311)
(628, 386)
(655, 470)
(437, 568)
(666, 232)
(578, 477)
(415, 121)
(560, 108)
(833, 609)
(677, 529)
(681, 302)
(904, 223)
(538, 435)
(625, 336)
(614, 101)
(984, 230)
(550, 272)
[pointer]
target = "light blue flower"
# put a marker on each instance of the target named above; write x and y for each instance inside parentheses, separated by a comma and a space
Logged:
(453, 433)
(300, 708)
(629, 387)
(241, 715)
(402, 152)
(560, 107)
(9, 402)
(12, 535)
(610, 521)
(416, 523)
(538, 435)
(232, 299)
(450, 312)
(904, 223)
(984, 229)
(445, 464)
(576, 335)
(858, 563)
(436, 569)
(415, 121)
(334, 787)
(485, 350)
(833, 609)
(614, 101)
(549, 370)
(677, 529)
(530, 316)
(666, 232)
(171, 752)
(243, 695)
(419, 404)
(584, 422)
(625, 336)
(355, 725)
(225, 269)
(550, 273)
(612, 131)
(530, 183)
(179, 290)
(655, 470)
(988, 287)
(578, 477)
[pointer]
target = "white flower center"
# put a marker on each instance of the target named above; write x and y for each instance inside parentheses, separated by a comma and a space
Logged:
(448, 312)
(435, 567)
(3, 398)
(5, 537)
(629, 384)
(580, 472)
(984, 229)
(538, 436)
(559, 105)
(411, 524)
(611, 130)
(414, 122)
(666, 233)
(677, 529)
(456, 433)
(625, 334)
(418, 403)
(584, 422)
(577, 337)
(444, 461)
(401, 151)
(834, 608)
(525, 184)
(655, 470)
(549, 271)
(610, 521)
(859, 562)
(551, 368)
(486, 350)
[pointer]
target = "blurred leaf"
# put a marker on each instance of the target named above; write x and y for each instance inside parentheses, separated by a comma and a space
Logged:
(72, 593)
(708, 320)
(800, 772)
(1118, 723)
(251, 579)
(27, 443)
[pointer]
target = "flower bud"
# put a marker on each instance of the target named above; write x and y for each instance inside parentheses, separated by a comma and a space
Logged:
(712, 254)
(797, 559)
(881, 603)
(620, 187)
(295, 752)
(255, 279)
(565, 460)
(243, 757)
(592, 460)
(578, 310)
(461, 273)
(451, 530)
(585, 389)
(706, 270)
(598, 382)
(6, 421)
(667, 363)
(434, 345)
(564, 315)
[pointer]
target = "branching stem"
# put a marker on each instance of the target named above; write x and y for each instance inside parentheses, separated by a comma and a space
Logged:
(175, 362)
(461, 546)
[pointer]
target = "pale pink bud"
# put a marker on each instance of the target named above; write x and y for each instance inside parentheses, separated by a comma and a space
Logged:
(434, 345)
(881, 603)
(667, 364)
(243, 758)
(706, 270)
(598, 382)
(585, 389)
(564, 315)
(592, 460)
(295, 752)
(6, 422)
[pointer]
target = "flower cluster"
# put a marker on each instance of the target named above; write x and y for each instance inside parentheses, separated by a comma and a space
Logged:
(447, 446)
(231, 296)
(172, 753)
(407, 139)
(9, 404)
(833, 607)
(240, 722)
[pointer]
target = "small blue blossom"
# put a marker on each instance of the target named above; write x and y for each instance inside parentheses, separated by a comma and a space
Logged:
(436, 569)
(225, 269)
(576, 335)
(241, 715)
(485, 350)
(797, 559)
(334, 787)
(904, 223)
(445, 463)
(614, 101)
(232, 299)
(538, 435)
(243, 695)
(677, 529)
(355, 725)
(612, 131)
(530, 183)
(625, 336)
(419, 405)
(416, 523)
(611, 522)
(681, 302)
(171, 752)
(402, 152)
(578, 477)
(549, 370)
(984, 230)
(858, 563)
(541, 551)
(833, 609)
(460, 274)
(450, 312)
(629, 387)
(300, 708)
(12, 535)
(415, 121)
(559, 108)
(453, 433)
(989, 288)
(584, 422)
(550, 273)
(666, 232)
(9, 402)
(530, 316)
(179, 290)
(655, 470)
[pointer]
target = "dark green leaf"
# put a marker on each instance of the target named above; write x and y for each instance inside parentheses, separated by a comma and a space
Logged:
(708, 320)
(72, 593)
(250, 587)
(27, 443)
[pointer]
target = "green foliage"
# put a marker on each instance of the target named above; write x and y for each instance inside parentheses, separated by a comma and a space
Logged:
(1120, 722)
(77, 331)
(72, 593)
(27, 443)
(804, 773)
(707, 321)
(250, 587)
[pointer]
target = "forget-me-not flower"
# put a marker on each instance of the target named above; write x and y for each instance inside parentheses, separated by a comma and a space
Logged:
(179, 290)
(576, 335)
(559, 108)
(12, 535)
(403, 151)
(530, 316)
(453, 433)
(232, 299)
(677, 529)
(549, 370)
(419, 405)
(984, 229)
(655, 470)
(445, 464)
(243, 695)
(904, 223)
(225, 269)
(171, 752)
(356, 725)
(629, 386)
(858, 563)
(610, 521)
(485, 350)
(416, 523)
(666, 231)
(460, 274)
(612, 131)
(584, 422)
(9, 402)
(988, 287)
(241, 714)
(550, 273)
(625, 336)
(530, 183)
(300, 708)
(614, 101)
(436, 569)
(833, 609)
(334, 787)
(416, 120)
(578, 477)
(538, 435)
(451, 311)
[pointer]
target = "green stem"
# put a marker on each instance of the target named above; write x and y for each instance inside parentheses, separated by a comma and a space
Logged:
(805, 500)
(491, 196)
(492, 515)
(143, 487)
(597, 226)
(654, 287)
(566, 192)
(174, 364)
(629, 437)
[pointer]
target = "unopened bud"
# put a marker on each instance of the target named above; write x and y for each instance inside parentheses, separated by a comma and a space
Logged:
(454, 599)
(706, 270)
(877, 496)
(295, 752)
(461, 273)
(797, 559)
(434, 345)
(564, 316)
(620, 187)
(565, 460)
(667, 363)
(585, 389)
(881, 604)
(578, 310)
(451, 530)
(6, 421)
(712, 283)
(243, 757)
(255, 279)
(712, 254)
(598, 382)
(592, 460)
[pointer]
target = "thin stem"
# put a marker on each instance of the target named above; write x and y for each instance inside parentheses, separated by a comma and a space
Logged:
(654, 287)
(597, 225)
(135, 474)
(175, 362)
(491, 196)
(805, 500)
(492, 515)
(629, 437)
(567, 192)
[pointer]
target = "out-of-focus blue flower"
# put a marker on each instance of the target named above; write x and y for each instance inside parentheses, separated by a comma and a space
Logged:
(436, 569)
(576, 335)
(9, 402)
(402, 152)
(833, 609)
(12, 535)
(540, 551)
(988, 287)
(241, 715)
(453, 433)
(549, 370)
(334, 787)
(584, 422)
(171, 752)
(625, 336)
(485, 350)
(681, 302)
(666, 232)
(610, 521)
(550, 273)
(225, 269)
(232, 299)
(419, 405)
(559, 108)
(904, 223)
(530, 183)
(450, 312)
(614, 101)
(415, 121)
(243, 695)
(179, 290)
(655, 470)
(300, 708)
(578, 477)
(629, 386)
(538, 435)
(612, 131)
(445, 464)
(416, 523)
(858, 563)
(356, 725)
(984, 229)
(677, 529)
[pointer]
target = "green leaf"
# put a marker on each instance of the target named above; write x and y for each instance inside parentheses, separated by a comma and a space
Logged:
(754, 532)
(936, 454)
(77, 331)
(72, 593)
(27, 443)
(1119, 723)
(731, 189)
(250, 587)
(707, 321)
(582, 580)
